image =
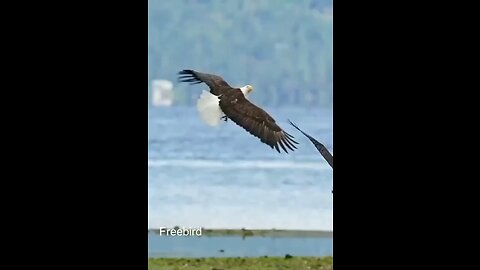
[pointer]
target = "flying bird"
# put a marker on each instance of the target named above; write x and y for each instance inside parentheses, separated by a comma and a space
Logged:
(320, 147)
(226, 102)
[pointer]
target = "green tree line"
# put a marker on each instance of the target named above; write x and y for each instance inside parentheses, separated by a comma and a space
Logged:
(282, 48)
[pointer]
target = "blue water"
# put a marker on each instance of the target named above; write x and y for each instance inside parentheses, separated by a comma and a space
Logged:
(236, 246)
(223, 177)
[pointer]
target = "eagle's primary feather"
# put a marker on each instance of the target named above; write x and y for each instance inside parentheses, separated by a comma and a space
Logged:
(320, 147)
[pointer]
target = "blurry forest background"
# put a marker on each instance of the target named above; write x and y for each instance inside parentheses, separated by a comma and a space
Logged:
(282, 48)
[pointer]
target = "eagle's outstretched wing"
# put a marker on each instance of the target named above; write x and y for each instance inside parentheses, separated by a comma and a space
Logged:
(256, 121)
(320, 147)
(216, 83)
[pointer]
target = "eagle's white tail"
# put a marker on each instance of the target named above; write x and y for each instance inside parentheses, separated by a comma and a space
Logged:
(209, 108)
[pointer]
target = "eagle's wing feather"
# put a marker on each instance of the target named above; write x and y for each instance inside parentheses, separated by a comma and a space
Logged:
(216, 83)
(320, 147)
(256, 121)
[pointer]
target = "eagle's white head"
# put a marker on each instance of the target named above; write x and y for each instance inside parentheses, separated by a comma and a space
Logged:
(246, 89)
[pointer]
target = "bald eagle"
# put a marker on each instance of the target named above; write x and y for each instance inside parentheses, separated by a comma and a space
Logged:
(227, 102)
(320, 147)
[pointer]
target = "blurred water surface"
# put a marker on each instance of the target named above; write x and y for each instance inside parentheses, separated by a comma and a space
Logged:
(223, 177)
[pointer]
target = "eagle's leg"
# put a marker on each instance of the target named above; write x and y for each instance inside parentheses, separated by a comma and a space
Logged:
(224, 118)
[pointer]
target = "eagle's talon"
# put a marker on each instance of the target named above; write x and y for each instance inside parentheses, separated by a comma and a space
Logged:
(224, 118)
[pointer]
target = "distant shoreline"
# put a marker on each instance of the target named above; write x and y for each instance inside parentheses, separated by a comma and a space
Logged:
(263, 233)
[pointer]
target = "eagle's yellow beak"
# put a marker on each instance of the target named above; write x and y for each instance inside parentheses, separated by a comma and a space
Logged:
(249, 88)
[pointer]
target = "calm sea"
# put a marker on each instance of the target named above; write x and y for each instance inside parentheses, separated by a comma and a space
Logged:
(236, 246)
(223, 177)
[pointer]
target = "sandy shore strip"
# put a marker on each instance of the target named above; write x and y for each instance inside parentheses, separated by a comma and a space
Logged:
(264, 233)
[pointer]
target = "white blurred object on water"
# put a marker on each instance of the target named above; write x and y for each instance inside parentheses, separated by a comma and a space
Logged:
(162, 92)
